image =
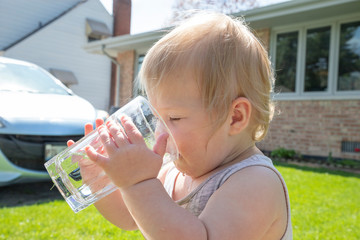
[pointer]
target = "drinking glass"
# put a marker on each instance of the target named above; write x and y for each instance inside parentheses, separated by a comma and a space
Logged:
(80, 181)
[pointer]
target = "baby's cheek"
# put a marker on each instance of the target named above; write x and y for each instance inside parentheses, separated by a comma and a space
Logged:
(186, 141)
(188, 148)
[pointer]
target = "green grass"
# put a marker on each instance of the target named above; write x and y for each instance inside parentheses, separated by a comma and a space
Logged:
(325, 205)
(55, 220)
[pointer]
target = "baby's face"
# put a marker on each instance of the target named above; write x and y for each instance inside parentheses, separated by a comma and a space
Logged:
(201, 147)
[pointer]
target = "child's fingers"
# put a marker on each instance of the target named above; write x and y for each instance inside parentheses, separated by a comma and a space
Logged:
(131, 130)
(88, 128)
(160, 145)
(117, 133)
(99, 122)
(69, 143)
(106, 140)
(96, 157)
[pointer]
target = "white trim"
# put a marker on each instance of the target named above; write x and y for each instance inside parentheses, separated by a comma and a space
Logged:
(123, 43)
(136, 72)
(117, 85)
(301, 54)
(289, 8)
(349, 96)
(313, 23)
(333, 58)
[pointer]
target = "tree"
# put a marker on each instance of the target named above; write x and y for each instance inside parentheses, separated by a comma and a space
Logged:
(182, 7)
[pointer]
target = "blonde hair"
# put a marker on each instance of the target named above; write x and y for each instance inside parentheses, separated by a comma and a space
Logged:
(224, 57)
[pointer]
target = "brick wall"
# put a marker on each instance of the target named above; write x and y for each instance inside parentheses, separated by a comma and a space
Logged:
(126, 61)
(122, 17)
(122, 21)
(264, 36)
(315, 127)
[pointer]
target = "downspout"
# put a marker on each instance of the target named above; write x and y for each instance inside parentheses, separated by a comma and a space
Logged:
(117, 83)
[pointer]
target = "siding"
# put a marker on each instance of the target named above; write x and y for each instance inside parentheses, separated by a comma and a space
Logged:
(20, 17)
(60, 45)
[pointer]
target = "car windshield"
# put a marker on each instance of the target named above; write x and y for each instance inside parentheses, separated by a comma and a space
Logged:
(28, 78)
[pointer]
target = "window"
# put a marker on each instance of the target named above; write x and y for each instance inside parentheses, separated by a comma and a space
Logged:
(317, 58)
(318, 61)
(137, 91)
(286, 51)
(140, 62)
(349, 57)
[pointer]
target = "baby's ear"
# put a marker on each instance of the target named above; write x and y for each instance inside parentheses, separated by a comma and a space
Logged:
(240, 114)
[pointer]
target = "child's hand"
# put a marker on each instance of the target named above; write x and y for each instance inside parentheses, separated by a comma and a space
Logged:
(88, 128)
(129, 160)
(88, 169)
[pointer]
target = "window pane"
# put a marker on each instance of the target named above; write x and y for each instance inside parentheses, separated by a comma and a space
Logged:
(349, 57)
(140, 61)
(137, 89)
(317, 58)
(286, 57)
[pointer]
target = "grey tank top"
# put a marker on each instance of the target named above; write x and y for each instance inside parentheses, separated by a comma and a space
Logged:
(196, 201)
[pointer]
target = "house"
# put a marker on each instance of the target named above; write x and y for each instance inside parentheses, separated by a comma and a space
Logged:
(315, 50)
(52, 34)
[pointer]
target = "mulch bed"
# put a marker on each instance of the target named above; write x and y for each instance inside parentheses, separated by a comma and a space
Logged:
(319, 165)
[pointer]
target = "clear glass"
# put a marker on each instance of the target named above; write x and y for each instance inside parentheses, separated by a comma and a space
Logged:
(349, 57)
(80, 181)
(317, 59)
(286, 57)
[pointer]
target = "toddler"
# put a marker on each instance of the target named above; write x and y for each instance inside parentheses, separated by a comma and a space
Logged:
(210, 80)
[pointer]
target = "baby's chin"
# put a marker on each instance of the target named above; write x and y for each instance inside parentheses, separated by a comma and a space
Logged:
(179, 164)
(177, 161)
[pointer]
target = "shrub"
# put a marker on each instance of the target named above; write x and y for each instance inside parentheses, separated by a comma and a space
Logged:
(283, 153)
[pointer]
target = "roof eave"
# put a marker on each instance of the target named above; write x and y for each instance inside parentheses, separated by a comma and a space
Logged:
(265, 17)
(296, 11)
(124, 43)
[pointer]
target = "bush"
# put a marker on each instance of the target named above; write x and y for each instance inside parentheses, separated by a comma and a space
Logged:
(290, 154)
(283, 153)
(349, 163)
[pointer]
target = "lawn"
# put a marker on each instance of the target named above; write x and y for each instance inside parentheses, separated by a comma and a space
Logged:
(55, 220)
(325, 205)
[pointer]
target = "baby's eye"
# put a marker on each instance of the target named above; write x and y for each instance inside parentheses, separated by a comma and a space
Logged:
(174, 118)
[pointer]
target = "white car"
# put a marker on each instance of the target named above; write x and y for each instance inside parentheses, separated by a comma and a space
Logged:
(38, 114)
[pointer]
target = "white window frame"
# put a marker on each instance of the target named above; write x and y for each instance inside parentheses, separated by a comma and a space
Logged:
(136, 72)
(331, 92)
